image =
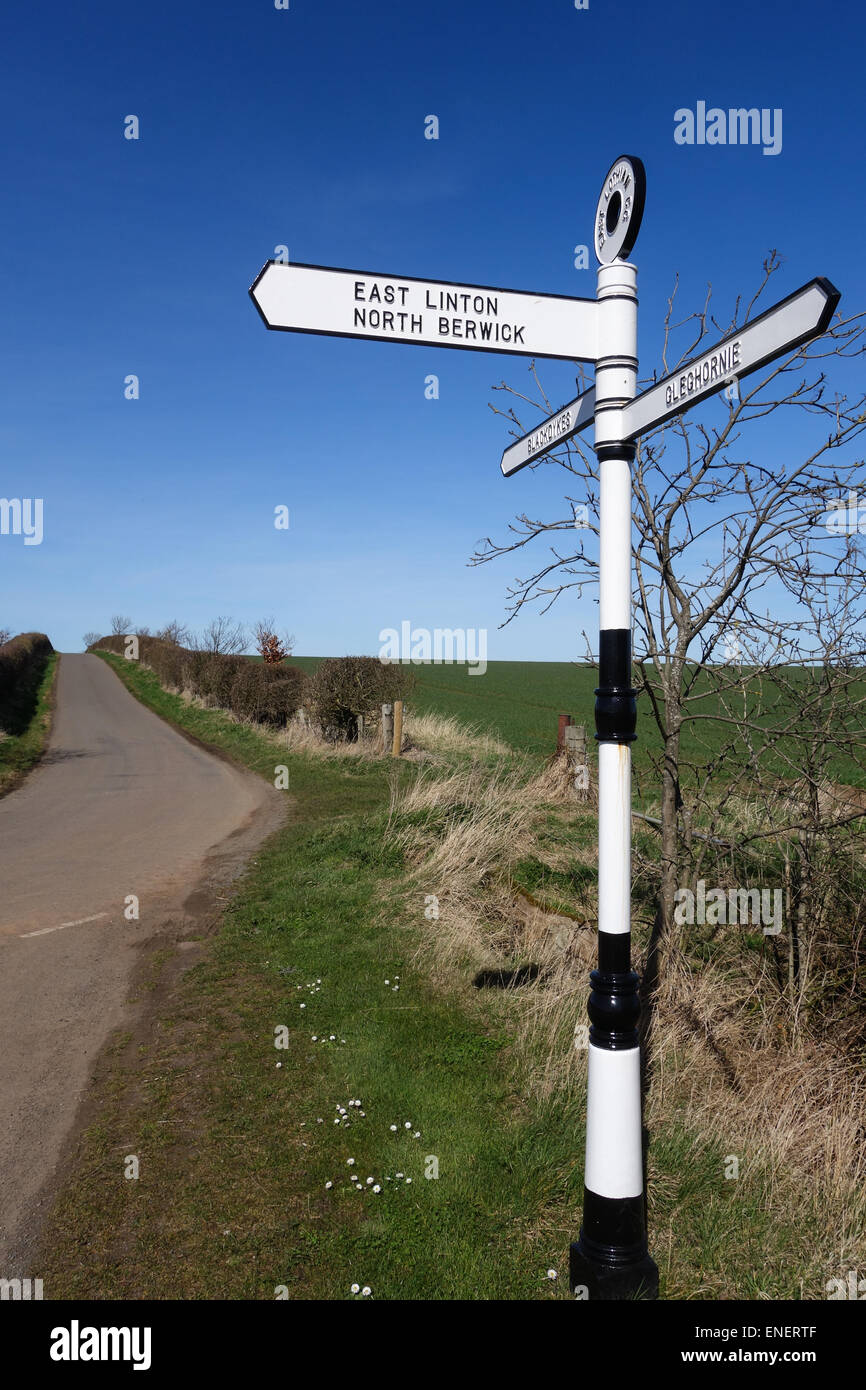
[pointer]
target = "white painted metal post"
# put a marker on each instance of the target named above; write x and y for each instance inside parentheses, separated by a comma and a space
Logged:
(610, 1259)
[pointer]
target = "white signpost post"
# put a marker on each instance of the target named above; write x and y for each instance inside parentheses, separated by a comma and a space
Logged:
(610, 1259)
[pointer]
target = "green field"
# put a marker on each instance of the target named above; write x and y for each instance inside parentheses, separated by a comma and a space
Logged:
(517, 701)
(520, 702)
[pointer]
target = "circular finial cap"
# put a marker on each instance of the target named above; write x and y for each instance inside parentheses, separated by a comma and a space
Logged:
(620, 209)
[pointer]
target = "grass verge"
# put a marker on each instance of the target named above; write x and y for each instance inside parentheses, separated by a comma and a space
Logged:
(325, 949)
(231, 1198)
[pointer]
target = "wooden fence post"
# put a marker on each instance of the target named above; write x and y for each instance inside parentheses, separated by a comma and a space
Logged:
(397, 746)
(575, 742)
(564, 721)
(387, 727)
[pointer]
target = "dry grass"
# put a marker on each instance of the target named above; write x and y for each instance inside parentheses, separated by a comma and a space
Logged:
(480, 820)
(731, 1065)
(426, 737)
(736, 1069)
(443, 735)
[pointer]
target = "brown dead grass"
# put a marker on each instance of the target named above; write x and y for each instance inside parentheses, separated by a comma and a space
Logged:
(426, 737)
(728, 1059)
(731, 1063)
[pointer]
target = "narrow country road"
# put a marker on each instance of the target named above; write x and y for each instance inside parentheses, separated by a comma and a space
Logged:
(122, 806)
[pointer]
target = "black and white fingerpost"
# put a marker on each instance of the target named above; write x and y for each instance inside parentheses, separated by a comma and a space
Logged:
(610, 1258)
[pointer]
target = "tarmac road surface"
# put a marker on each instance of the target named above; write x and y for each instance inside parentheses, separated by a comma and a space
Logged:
(121, 805)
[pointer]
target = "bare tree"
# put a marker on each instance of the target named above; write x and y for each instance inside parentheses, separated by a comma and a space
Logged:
(5, 634)
(223, 637)
(811, 786)
(90, 638)
(725, 546)
(175, 632)
(772, 765)
(120, 625)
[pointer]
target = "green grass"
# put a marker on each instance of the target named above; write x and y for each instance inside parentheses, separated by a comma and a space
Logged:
(231, 1199)
(229, 1142)
(21, 751)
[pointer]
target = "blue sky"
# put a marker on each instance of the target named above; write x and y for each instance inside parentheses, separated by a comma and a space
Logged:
(305, 127)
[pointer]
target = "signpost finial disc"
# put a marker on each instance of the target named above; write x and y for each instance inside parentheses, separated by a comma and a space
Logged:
(620, 209)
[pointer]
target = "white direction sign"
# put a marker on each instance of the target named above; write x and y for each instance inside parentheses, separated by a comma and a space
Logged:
(804, 315)
(403, 309)
(556, 429)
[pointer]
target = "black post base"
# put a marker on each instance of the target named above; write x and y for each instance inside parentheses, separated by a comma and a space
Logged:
(636, 1278)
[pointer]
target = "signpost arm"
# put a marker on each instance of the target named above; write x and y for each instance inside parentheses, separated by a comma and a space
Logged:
(610, 1259)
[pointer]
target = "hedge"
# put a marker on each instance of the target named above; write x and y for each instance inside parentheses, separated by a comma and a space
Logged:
(22, 663)
(345, 687)
(267, 694)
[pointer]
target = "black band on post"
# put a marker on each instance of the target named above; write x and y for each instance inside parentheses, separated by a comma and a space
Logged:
(614, 1009)
(614, 1228)
(610, 1259)
(614, 952)
(615, 451)
(616, 700)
